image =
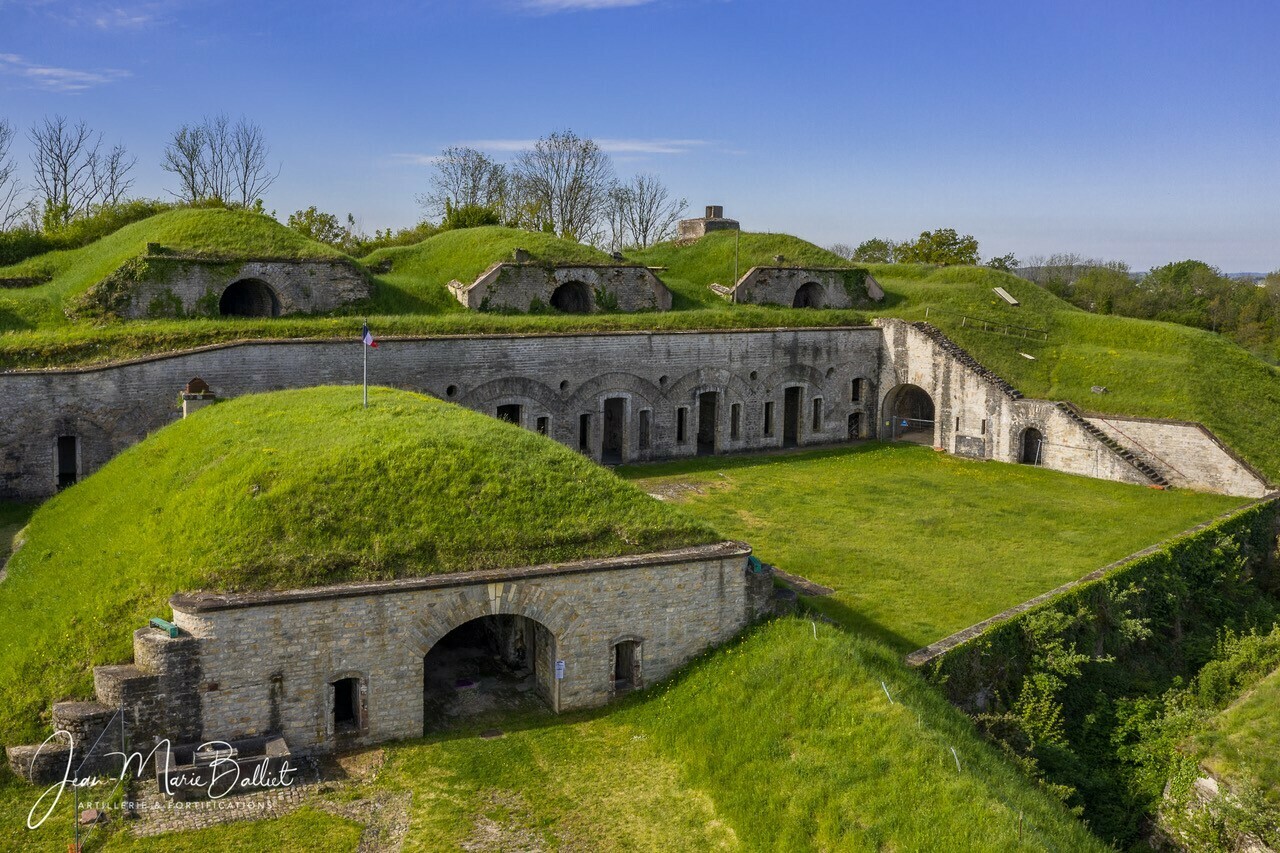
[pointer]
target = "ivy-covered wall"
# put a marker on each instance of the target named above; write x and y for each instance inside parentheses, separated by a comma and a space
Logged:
(1057, 685)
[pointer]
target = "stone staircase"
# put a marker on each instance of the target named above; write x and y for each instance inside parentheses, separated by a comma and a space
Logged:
(961, 355)
(1114, 446)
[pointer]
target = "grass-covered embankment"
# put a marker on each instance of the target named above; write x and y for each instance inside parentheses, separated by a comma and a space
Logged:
(293, 489)
(210, 232)
(782, 741)
(919, 544)
(1240, 744)
(692, 267)
(419, 273)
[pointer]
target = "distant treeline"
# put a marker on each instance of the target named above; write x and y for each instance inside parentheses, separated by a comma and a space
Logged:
(1192, 293)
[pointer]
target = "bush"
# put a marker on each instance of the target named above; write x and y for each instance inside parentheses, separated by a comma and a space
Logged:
(23, 243)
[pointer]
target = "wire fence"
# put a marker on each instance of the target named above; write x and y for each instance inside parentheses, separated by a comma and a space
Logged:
(993, 326)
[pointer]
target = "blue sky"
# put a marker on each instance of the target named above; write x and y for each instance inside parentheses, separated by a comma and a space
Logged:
(1142, 131)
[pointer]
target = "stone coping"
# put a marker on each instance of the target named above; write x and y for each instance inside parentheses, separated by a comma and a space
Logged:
(936, 650)
(260, 259)
(348, 339)
(207, 602)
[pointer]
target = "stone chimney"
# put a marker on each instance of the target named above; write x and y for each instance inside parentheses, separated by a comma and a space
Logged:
(715, 211)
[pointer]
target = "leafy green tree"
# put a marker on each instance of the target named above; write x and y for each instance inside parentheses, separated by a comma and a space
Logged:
(469, 216)
(943, 247)
(874, 251)
(1008, 263)
(321, 227)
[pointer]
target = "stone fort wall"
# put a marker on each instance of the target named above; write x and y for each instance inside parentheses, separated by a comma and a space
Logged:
(616, 397)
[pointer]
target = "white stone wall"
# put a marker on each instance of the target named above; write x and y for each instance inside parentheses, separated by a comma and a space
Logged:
(268, 659)
(520, 286)
(779, 285)
(312, 286)
(1188, 455)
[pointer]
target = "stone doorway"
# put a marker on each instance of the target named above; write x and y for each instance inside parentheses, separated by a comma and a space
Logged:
(708, 409)
(1032, 447)
(910, 414)
(626, 666)
(614, 440)
(249, 297)
(493, 665)
(808, 295)
(572, 297)
(791, 417)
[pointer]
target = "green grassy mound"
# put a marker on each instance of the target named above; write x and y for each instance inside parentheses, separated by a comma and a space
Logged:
(691, 267)
(208, 232)
(294, 489)
(419, 273)
(785, 740)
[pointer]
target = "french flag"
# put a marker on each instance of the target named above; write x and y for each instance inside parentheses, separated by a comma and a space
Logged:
(367, 337)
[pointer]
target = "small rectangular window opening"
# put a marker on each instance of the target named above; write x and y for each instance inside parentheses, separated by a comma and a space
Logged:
(817, 414)
(768, 418)
(856, 395)
(984, 426)
(735, 421)
(646, 421)
(957, 424)
(682, 421)
(584, 431)
(544, 425)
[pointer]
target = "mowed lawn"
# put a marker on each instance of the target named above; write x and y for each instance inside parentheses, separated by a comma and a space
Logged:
(916, 543)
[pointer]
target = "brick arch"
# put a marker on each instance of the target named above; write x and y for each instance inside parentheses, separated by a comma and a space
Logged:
(792, 373)
(507, 387)
(709, 379)
(495, 599)
(602, 385)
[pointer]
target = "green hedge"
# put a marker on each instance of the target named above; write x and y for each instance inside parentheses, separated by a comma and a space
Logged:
(1055, 685)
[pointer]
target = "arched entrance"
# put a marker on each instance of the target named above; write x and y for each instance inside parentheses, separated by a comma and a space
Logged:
(488, 665)
(249, 297)
(808, 295)
(909, 412)
(572, 297)
(1032, 447)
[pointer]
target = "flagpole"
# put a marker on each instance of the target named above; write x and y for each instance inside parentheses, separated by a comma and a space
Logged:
(365, 349)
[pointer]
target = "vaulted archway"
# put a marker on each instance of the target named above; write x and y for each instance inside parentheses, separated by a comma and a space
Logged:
(249, 297)
(909, 414)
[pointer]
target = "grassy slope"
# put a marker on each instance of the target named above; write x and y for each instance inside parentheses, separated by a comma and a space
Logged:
(13, 517)
(419, 273)
(1239, 744)
(782, 741)
(1150, 369)
(215, 232)
(290, 489)
(918, 544)
(692, 267)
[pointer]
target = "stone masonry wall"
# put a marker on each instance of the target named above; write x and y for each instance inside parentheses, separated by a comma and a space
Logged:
(558, 378)
(779, 285)
(1187, 454)
(268, 660)
(978, 418)
(521, 287)
(193, 287)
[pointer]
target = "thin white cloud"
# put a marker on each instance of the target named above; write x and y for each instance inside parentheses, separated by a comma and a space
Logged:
(55, 79)
(120, 18)
(416, 159)
(548, 7)
(609, 146)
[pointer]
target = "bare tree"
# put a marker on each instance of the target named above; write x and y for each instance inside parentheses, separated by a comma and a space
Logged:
(564, 180)
(465, 177)
(844, 250)
(11, 209)
(63, 167)
(251, 174)
(616, 227)
(184, 158)
(217, 161)
(110, 171)
(649, 210)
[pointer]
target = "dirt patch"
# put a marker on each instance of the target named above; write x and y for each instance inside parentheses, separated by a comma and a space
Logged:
(511, 832)
(682, 490)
